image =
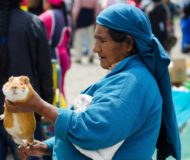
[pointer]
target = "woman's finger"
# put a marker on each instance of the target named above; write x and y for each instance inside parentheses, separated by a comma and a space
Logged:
(22, 156)
(20, 148)
(37, 149)
(11, 107)
(22, 153)
(15, 107)
(32, 151)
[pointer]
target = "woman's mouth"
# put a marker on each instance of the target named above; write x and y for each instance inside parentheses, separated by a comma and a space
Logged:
(101, 58)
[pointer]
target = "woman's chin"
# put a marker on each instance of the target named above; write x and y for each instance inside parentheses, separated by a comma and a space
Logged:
(103, 65)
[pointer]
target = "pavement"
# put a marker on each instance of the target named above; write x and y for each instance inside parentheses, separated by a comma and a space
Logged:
(80, 76)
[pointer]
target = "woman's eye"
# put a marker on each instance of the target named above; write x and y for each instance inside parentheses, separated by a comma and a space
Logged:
(102, 41)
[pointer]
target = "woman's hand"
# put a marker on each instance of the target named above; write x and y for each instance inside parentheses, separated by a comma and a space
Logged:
(34, 104)
(37, 149)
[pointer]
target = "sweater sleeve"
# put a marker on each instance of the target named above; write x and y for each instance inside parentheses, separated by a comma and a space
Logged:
(107, 121)
(50, 142)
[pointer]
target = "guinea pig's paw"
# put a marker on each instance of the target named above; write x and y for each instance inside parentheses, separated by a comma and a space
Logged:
(2, 116)
(24, 143)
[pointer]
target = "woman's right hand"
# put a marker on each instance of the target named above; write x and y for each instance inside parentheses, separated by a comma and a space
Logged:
(32, 105)
(37, 149)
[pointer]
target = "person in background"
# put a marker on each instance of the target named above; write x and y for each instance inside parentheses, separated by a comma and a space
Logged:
(24, 5)
(24, 50)
(83, 16)
(174, 10)
(185, 28)
(131, 104)
(58, 32)
(35, 6)
(106, 3)
(69, 6)
(144, 4)
(159, 15)
(136, 3)
(182, 3)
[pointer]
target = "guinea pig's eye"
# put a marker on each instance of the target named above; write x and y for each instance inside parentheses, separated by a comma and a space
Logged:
(21, 84)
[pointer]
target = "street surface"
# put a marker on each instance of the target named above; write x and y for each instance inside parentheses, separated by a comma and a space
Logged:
(80, 76)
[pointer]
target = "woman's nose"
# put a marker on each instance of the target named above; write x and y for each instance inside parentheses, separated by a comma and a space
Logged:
(96, 48)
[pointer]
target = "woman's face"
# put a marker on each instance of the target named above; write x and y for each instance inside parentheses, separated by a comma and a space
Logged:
(108, 50)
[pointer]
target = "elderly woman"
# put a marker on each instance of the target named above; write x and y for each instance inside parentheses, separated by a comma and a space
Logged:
(131, 106)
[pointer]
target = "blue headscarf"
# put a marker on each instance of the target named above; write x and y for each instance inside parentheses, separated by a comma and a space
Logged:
(129, 19)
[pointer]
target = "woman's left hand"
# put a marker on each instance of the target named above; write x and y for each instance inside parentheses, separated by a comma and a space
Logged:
(37, 149)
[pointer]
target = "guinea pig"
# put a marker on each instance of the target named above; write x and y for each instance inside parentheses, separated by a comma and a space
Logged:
(20, 126)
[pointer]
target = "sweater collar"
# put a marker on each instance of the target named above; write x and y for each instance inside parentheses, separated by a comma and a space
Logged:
(117, 67)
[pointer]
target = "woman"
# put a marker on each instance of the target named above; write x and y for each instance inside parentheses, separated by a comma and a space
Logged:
(132, 103)
(56, 23)
(24, 50)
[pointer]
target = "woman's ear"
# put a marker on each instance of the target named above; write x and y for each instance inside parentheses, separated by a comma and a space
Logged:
(130, 44)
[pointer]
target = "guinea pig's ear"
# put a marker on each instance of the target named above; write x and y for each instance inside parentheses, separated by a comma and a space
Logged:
(24, 79)
(11, 79)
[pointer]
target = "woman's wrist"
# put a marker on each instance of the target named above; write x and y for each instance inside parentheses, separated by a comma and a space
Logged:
(47, 151)
(47, 110)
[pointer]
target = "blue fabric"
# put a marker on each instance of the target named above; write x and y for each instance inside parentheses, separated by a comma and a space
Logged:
(50, 142)
(124, 107)
(185, 28)
(131, 20)
(182, 106)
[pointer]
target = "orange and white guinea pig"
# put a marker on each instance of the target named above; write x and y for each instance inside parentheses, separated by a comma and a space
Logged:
(20, 126)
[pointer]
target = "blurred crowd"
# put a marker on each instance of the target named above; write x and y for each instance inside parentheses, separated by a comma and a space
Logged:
(63, 30)
(162, 14)
(81, 15)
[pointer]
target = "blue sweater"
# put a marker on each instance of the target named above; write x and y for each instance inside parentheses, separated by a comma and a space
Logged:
(126, 105)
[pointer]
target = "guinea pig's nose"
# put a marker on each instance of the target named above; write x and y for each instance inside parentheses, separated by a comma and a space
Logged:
(14, 87)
